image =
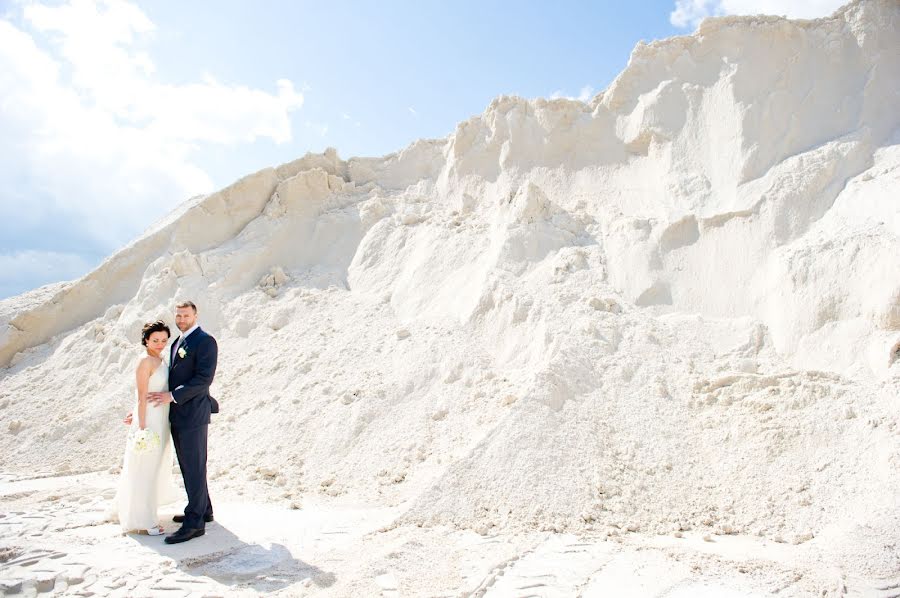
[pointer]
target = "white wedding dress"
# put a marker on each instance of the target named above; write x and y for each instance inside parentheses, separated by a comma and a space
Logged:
(146, 480)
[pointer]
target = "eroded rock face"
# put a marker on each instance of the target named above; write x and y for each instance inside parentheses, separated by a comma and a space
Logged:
(653, 311)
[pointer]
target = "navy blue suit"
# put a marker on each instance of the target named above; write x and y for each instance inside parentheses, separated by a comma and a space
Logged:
(193, 368)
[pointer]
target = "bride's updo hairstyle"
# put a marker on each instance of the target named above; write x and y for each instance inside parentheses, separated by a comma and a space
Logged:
(151, 327)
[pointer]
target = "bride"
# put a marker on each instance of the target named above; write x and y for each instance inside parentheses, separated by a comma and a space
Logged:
(146, 480)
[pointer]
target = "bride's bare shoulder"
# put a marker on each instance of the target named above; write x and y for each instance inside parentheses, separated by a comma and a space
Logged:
(148, 363)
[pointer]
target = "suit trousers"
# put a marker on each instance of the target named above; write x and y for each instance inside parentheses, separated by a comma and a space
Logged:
(190, 447)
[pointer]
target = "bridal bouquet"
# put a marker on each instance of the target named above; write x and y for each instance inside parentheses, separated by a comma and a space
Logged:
(144, 441)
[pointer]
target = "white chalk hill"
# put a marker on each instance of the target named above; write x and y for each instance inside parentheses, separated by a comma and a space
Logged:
(675, 306)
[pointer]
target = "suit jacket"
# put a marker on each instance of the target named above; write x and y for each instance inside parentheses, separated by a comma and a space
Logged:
(193, 372)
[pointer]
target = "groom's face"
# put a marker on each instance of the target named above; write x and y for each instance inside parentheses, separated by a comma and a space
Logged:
(185, 317)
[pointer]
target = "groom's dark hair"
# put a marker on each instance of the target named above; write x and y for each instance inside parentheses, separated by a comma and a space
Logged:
(183, 304)
(151, 327)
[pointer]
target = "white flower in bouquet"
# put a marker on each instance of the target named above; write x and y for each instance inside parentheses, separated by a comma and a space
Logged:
(143, 441)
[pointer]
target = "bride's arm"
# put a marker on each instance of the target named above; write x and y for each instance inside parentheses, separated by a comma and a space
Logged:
(142, 377)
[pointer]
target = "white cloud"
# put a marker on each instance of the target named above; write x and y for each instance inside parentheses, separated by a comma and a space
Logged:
(99, 40)
(95, 143)
(586, 93)
(689, 13)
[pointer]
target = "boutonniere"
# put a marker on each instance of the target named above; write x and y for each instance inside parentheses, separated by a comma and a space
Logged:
(182, 352)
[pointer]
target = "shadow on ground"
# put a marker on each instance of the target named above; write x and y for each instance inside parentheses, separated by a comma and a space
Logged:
(222, 556)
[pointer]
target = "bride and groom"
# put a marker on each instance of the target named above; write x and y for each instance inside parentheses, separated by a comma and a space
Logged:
(181, 414)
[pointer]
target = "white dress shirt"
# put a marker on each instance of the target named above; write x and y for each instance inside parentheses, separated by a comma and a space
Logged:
(178, 344)
(182, 337)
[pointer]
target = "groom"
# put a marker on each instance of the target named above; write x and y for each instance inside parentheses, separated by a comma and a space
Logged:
(192, 367)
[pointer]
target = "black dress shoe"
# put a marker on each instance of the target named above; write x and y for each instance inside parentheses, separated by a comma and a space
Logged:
(183, 535)
(180, 518)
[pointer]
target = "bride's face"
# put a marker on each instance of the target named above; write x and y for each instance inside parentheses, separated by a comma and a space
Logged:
(156, 342)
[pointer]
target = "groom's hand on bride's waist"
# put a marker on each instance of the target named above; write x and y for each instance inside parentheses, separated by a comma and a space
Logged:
(159, 398)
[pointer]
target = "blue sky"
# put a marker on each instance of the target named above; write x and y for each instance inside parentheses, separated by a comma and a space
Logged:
(113, 112)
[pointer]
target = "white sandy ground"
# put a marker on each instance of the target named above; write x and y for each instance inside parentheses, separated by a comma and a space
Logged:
(56, 540)
(540, 347)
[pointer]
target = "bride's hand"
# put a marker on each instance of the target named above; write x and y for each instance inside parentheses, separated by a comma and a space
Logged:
(159, 398)
(127, 419)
